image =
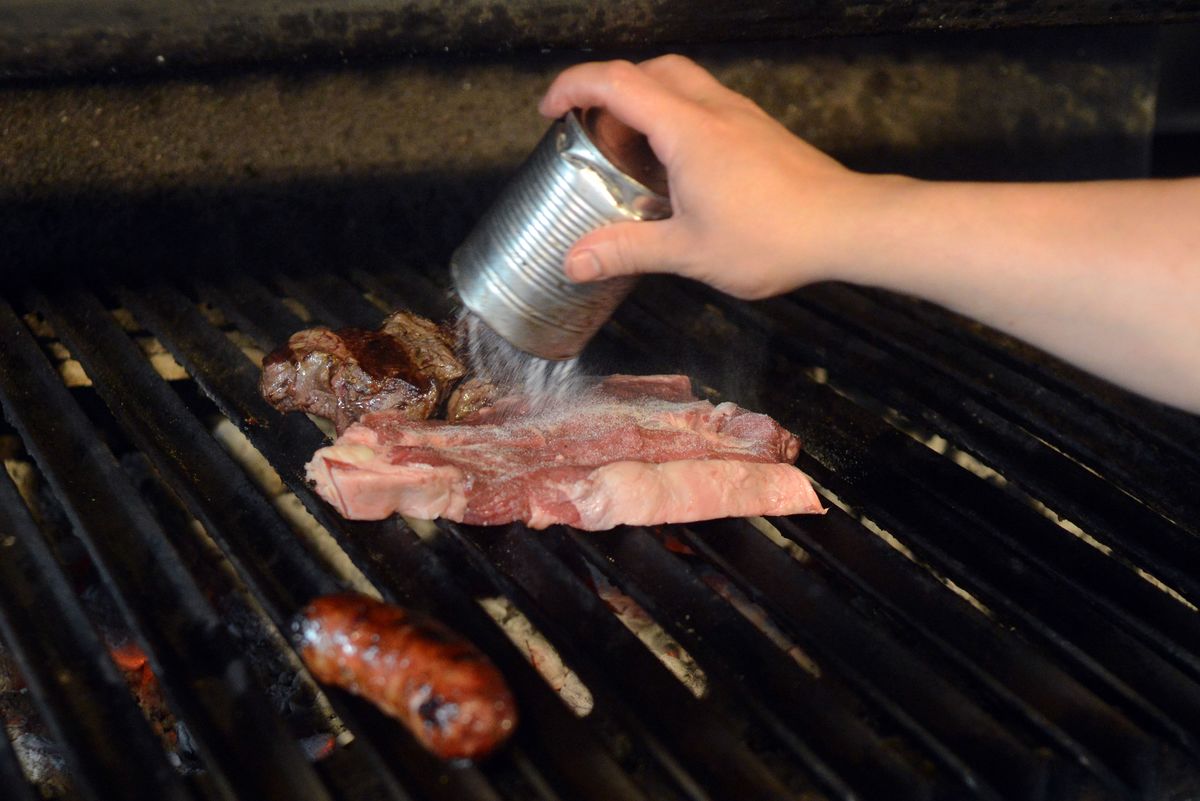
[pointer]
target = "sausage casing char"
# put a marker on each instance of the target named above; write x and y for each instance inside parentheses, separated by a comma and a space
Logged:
(414, 668)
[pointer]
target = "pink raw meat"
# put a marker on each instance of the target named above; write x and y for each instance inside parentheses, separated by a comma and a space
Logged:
(637, 450)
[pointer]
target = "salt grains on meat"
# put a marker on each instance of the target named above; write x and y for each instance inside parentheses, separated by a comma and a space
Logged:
(638, 450)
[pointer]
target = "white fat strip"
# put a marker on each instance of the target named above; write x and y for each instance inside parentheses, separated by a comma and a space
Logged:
(684, 491)
(373, 493)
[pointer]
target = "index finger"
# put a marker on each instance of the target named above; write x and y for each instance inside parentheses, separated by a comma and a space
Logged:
(633, 97)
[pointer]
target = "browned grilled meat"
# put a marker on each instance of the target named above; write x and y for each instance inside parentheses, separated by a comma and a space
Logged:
(408, 363)
(469, 397)
(414, 668)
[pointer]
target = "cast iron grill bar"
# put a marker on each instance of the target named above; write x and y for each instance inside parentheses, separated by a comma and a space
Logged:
(611, 708)
(415, 292)
(266, 553)
(949, 537)
(1157, 474)
(282, 573)
(834, 413)
(1124, 596)
(1171, 638)
(833, 632)
(332, 300)
(250, 306)
(741, 550)
(941, 515)
(389, 554)
(1007, 668)
(616, 666)
(243, 742)
(1169, 427)
(1113, 517)
(961, 529)
(732, 648)
(109, 749)
(884, 490)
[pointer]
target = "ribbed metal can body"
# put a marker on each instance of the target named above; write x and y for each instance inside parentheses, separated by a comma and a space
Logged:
(509, 270)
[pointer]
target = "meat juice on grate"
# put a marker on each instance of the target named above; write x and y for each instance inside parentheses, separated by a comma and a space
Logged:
(545, 382)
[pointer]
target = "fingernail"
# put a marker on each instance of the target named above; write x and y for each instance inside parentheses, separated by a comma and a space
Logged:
(583, 266)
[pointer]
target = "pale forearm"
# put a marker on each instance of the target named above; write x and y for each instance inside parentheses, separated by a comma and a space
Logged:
(1104, 274)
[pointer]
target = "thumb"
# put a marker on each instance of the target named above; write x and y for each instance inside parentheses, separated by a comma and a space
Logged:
(624, 248)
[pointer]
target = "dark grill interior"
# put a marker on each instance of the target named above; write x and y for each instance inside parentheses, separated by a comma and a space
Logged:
(957, 642)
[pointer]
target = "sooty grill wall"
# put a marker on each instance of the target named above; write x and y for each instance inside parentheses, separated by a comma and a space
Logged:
(999, 605)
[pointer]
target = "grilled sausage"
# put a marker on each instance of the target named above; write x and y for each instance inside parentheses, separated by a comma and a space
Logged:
(439, 685)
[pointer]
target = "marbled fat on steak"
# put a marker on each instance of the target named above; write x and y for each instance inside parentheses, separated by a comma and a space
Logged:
(637, 450)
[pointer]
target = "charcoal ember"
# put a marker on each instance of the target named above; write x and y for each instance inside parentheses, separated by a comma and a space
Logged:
(146, 691)
(39, 755)
(41, 760)
(409, 364)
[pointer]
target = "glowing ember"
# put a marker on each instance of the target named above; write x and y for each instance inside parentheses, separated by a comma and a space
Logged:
(128, 656)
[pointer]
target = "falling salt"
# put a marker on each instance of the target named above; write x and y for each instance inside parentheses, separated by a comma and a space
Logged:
(545, 382)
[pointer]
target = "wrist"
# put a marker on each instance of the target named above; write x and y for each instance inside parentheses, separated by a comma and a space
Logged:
(876, 228)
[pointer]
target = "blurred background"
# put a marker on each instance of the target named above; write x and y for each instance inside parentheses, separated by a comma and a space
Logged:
(297, 134)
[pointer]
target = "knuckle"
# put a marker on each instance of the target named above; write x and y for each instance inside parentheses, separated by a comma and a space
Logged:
(620, 72)
(674, 62)
(625, 249)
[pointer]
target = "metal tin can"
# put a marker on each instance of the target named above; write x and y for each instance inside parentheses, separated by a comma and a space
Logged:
(509, 270)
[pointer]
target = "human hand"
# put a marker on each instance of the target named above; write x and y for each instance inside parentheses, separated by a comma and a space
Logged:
(1102, 273)
(756, 210)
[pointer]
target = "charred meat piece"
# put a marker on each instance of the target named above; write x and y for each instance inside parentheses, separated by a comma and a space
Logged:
(637, 450)
(469, 397)
(413, 668)
(408, 364)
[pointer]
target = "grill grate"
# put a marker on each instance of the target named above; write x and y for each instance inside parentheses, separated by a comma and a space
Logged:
(960, 643)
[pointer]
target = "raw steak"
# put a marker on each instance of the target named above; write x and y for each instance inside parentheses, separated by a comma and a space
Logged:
(637, 450)
(407, 364)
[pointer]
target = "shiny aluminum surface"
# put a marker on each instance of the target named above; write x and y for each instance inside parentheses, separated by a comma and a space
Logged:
(509, 271)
